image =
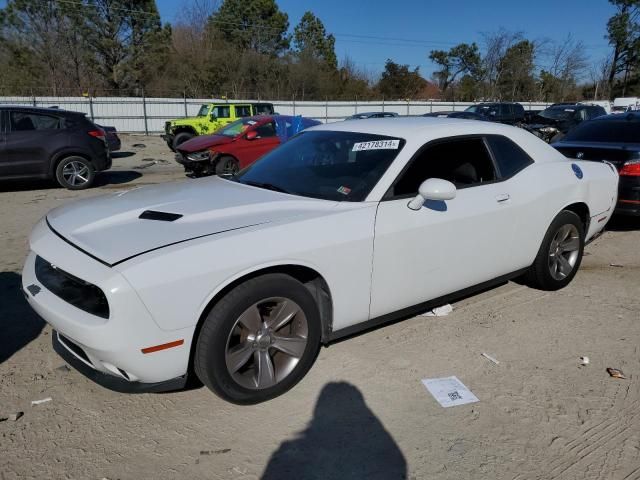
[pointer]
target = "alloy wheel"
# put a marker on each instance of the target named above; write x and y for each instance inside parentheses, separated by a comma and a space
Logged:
(75, 173)
(564, 251)
(266, 343)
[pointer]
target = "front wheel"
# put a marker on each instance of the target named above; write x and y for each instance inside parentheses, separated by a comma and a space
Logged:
(227, 166)
(560, 254)
(259, 340)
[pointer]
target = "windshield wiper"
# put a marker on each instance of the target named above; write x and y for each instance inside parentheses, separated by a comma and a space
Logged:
(267, 186)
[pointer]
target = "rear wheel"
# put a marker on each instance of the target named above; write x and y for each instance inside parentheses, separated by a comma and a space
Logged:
(75, 173)
(259, 340)
(560, 254)
(227, 166)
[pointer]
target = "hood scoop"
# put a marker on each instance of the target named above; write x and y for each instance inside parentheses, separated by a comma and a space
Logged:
(160, 216)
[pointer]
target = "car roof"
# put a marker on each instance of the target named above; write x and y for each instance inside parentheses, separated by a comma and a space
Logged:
(30, 108)
(408, 127)
(621, 117)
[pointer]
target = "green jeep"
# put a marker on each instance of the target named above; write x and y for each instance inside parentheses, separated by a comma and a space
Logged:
(210, 118)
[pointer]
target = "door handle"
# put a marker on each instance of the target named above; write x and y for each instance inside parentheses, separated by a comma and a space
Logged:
(503, 198)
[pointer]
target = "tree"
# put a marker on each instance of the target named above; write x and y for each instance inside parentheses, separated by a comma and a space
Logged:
(567, 63)
(256, 25)
(311, 40)
(623, 33)
(516, 67)
(461, 59)
(398, 82)
(496, 46)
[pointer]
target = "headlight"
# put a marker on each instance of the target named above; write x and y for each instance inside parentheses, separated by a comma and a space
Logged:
(548, 130)
(199, 156)
(71, 289)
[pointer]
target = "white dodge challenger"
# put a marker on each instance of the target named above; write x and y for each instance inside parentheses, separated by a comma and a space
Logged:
(349, 225)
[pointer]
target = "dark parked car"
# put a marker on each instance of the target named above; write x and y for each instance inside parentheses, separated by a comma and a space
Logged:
(363, 115)
(51, 143)
(465, 115)
(616, 139)
(554, 122)
(113, 140)
(510, 113)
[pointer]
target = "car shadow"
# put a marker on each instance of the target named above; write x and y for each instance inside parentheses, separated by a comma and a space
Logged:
(19, 324)
(344, 440)
(122, 154)
(623, 223)
(115, 177)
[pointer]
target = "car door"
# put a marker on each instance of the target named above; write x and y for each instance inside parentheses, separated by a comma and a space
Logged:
(31, 139)
(445, 246)
(265, 141)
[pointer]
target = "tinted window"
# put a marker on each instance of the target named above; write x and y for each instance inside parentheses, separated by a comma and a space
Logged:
(619, 131)
(21, 121)
(464, 162)
(340, 166)
(518, 109)
(509, 156)
(221, 111)
(243, 111)
(266, 130)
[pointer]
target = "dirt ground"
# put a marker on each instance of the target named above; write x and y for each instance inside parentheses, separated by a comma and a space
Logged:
(362, 411)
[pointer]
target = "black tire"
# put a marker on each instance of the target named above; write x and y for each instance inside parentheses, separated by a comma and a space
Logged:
(181, 138)
(227, 165)
(75, 173)
(541, 274)
(210, 358)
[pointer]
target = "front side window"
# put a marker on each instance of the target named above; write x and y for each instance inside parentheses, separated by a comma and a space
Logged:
(464, 162)
(509, 157)
(338, 166)
(204, 109)
(221, 111)
(236, 128)
(266, 130)
(23, 121)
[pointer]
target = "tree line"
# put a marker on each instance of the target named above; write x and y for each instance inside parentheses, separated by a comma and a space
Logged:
(246, 49)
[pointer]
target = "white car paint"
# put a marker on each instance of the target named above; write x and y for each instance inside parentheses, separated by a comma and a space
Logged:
(376, 256)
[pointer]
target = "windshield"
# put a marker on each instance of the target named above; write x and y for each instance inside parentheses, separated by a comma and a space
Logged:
(236, 128)
(339, 166)
(605, 131)
(558, 113)
(203, 111)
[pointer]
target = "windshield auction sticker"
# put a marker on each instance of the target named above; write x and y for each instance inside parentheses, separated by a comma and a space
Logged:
(377, 145)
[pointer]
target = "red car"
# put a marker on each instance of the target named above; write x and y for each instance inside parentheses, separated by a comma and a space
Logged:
(238, 145)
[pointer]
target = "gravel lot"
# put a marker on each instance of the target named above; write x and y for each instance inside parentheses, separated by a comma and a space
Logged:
(362, 412)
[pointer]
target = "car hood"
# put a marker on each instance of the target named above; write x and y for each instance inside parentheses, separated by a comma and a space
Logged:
(203, 142)
(109, 227)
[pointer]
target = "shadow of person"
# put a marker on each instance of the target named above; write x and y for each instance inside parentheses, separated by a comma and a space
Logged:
(19, 324)
(344, 440)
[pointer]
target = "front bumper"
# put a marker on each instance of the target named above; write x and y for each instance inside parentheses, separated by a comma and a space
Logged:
(628, 196)
(63, 348)
(110, 349)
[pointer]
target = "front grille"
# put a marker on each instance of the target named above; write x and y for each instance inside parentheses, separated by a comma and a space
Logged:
(71, 289)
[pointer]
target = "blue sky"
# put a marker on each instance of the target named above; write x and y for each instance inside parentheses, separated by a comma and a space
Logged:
(440, 24)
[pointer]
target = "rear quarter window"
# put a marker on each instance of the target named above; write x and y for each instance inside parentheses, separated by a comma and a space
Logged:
(509, 157)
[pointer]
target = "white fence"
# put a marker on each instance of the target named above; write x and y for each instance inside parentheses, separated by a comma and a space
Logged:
(148, 115)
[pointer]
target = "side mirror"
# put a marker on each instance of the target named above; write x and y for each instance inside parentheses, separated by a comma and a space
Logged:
(251, 135)
(433, 189)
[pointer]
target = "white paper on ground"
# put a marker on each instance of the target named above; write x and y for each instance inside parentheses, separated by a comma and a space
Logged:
(449, 391)
(442, 311)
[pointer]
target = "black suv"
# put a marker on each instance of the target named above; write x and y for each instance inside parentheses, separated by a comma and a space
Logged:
(53, 144)
(510, 113)
(555, 121)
